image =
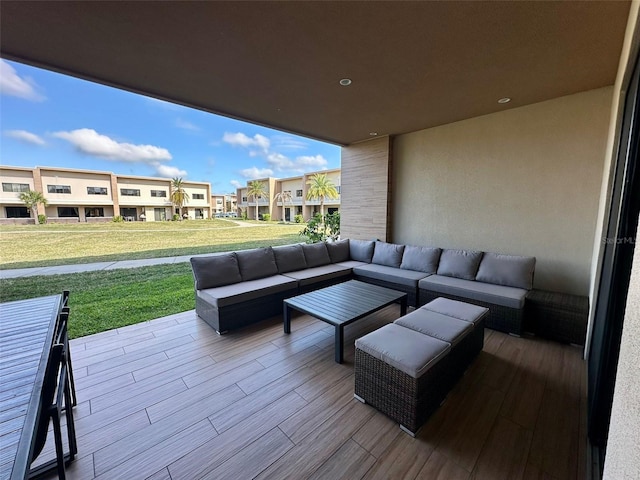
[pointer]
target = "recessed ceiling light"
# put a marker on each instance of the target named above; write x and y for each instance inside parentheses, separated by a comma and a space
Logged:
(345, 82)
(373, 134)
(504, 100)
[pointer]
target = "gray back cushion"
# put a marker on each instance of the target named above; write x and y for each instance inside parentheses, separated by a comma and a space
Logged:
(339, 251)
(316, 254)
(421, 259)
(508, 270)
(459, 263)
(257, 263)
(289, 258)
(361, 250)
(215, 271)
(388, 254)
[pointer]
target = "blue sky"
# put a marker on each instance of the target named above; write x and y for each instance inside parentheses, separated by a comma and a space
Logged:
(53, 120)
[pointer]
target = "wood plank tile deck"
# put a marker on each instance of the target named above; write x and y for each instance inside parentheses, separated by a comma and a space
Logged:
(170, 399)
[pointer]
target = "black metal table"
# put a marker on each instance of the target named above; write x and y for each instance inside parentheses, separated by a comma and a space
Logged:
(26, 335)
(342, 304)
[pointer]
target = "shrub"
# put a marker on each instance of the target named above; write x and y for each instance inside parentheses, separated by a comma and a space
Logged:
(266, 217)
(175, 217)
(42, 219)
(118, 219)
(319, 231)
(243, 214)
(298, 218)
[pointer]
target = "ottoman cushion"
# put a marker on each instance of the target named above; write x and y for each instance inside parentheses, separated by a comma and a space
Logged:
(404, 349)
(436, 325)
(460, 310)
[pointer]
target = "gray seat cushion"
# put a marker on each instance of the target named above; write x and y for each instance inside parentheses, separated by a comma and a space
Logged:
(351, 263)
(289, 258)
(338, 251)
(257, 263)
(508, 270)
(436, 325)
(390, 274)
(361, 250)
(316, 254)
(421, 259)
(404, 349)
(388, 254)
(244, 291)
(485, 292)
(215, 270)
(459, 263)
(455, 309)
(310, 276)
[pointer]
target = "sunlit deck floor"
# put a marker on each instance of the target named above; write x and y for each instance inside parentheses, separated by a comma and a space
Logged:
(170, 399)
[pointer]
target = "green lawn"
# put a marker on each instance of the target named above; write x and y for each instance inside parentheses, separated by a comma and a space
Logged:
(23, 246)
(104, 300)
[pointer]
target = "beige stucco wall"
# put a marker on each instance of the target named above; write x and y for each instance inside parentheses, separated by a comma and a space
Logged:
(524, 181)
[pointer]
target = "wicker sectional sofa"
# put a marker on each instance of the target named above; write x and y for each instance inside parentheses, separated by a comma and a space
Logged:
(235, 289)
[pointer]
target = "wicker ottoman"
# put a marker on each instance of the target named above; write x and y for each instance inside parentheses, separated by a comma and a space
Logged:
(402, 373)
(463, 311)
(455, 332)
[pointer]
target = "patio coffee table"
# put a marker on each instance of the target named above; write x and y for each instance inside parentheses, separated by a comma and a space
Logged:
(342, 304)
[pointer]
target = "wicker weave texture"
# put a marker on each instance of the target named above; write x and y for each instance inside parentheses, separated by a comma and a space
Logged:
(407, 400)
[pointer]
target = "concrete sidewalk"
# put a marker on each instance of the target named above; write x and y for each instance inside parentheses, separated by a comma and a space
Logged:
(92, 267)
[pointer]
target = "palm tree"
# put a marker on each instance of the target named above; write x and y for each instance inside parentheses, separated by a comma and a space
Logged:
(32, 199)
(321, 187)
(283, 197)
(179, 195)
(256, 190)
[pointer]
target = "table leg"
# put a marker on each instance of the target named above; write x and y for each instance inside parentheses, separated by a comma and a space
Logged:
(339, 343)
(403, 306)
(287, 319)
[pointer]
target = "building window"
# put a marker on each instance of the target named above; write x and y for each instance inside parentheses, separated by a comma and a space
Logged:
(68, 212)
(244, 199)
(96, 191)
(129, 214)
(287, 192)
(219, 201)
(199, 213)
(17, 212)
(94, 212)
(159, 193)
(15, 187)
(59, 189)
(298, 193)
(338, 189)
(130, 192)
(198, 196)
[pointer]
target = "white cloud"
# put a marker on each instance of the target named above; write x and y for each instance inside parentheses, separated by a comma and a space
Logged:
(301, 164)
(236, 184)
(186, 125)
(168, 171)
(89, 141)
(26, 137)
(310, 161)
(286, 142)
(12, 84)
(255, 172)
(239, 139)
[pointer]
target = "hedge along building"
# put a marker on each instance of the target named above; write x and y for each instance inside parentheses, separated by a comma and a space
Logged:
(93, 196)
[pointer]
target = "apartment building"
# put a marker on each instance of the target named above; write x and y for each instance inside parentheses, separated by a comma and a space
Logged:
(296, 188)
(94, 196)
(224, 203)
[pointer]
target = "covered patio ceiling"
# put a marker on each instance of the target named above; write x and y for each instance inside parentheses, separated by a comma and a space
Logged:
(413, 65)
